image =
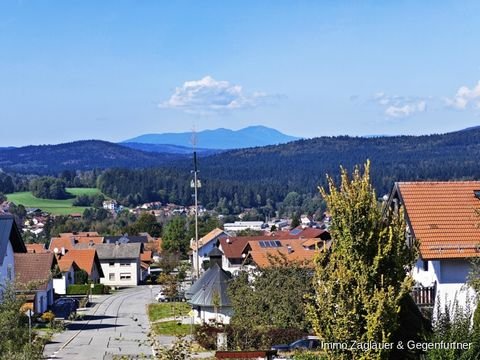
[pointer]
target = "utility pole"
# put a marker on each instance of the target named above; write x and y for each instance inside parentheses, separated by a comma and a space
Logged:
(196, 185)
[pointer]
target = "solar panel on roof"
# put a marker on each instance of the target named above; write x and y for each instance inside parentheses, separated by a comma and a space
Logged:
(262, 244)
(295, 231)
(278, 243)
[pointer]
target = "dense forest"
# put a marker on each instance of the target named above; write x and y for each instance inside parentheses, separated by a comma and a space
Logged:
(262, 177)
(78, 155)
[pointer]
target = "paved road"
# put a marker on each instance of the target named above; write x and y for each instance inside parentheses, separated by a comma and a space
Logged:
(116, 326)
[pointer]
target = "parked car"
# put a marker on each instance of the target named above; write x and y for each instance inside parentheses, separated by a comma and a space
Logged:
(63, 307)
(306, 343)
(161, 297)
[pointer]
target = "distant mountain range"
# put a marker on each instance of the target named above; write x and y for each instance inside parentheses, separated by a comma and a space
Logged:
(251, 136)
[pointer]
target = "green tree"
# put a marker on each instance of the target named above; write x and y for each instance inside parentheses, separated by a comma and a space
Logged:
(14, 335)
(145, 223)
(270, 303)
(174, 236)
(361, 280)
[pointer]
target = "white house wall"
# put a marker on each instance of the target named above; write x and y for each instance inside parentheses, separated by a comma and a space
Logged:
(208, 314)
(119, 272)
(451, 276)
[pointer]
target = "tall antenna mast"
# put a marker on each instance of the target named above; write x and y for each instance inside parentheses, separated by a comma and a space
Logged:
(196, 184)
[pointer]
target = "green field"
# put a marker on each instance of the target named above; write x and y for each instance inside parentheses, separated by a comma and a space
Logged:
(55, 207)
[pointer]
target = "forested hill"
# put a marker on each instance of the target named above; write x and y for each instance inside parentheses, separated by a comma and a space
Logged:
(260, 176)
(303, 164)
(78, 155)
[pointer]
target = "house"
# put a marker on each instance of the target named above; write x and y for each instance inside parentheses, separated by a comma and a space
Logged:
(443, 218)
(110, 205)
(244, 225)
(265, 253)
(305, 221)
(208, 296)
(85, 259)
(67, 269)
(233, 246)
(11, 243)
(120, 263)
(205, 245)
(125, 239)
(34, 279)
(70, 241)
(36, 248)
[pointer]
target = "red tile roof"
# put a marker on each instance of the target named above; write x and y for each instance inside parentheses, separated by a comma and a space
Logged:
(65, 264)
(233, 246)
(84, 258)
(292, 251)
(442, 216)
(36, 248)
(34, 268)
(146, 256)
(68, 241)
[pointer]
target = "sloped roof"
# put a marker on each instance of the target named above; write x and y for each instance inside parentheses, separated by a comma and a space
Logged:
(214, 282)
(36, 248)
(9, 233)
(298, 253)
(124, 239)
(442, 217)
(146, 256)
(120, 251)
(85, 259)
(204, 240)
(66, 264)
(69, 241)
(33, 267)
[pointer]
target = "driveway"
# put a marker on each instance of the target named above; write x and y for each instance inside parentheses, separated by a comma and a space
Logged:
(116, 326)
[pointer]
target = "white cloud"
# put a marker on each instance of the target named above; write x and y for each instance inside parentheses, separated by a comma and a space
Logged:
(465, 98)
(400, 106)
(209, 95)
(405, 110)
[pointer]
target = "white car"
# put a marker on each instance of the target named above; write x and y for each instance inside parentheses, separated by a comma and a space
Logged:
(160, 297)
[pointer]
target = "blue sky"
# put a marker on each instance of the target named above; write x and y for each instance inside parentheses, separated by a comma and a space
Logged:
(112, 70)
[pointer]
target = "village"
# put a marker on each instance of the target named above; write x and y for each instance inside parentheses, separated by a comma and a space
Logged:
(79, 272)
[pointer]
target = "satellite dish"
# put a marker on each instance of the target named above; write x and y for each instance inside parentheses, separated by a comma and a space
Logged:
(55, 250)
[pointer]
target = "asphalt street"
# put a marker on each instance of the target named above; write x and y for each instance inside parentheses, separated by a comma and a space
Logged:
(115, 327)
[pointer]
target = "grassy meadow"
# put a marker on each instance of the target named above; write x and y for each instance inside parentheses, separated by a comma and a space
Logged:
(55, 207)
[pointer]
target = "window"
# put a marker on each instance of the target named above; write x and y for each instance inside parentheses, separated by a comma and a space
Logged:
(9, 272)
(111, 264)
(425, 265)
(123, 264)
(125, 276)
(111, 276)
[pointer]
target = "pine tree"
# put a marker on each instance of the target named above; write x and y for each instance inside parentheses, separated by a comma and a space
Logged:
(361, 280)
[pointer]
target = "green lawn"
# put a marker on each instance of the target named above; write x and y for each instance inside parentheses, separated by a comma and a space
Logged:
(166, 310)
(171, 328)
(55, 207)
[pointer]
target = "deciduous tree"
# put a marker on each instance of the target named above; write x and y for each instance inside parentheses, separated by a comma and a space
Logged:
(361, 280)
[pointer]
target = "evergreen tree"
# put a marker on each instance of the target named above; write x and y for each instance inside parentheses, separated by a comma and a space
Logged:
(361, 280)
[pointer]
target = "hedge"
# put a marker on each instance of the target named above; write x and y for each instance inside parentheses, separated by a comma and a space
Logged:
(98, 289)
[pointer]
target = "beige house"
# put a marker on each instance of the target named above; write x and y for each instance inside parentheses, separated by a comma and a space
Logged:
(120, 264)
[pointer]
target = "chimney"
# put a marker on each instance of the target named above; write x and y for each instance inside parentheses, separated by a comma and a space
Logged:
(289, 249)
(63, 251)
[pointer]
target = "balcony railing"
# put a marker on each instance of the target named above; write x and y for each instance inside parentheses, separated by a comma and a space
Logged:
(424, 296)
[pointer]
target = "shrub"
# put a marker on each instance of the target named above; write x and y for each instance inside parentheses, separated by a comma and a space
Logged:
(48, 316)
(98, 289)
(206, 335)
(260, 337)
